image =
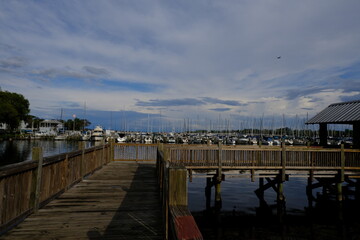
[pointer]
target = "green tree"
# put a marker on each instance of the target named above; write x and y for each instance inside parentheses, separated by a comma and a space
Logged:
(13, 108)
(80, 124)
(33, 121)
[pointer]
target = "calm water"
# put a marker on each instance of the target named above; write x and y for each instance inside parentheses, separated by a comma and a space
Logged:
(241, 215)
(21, 150)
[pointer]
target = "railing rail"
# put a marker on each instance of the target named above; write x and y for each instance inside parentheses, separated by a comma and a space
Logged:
(134, 152)
(265, 157)
(18, 182)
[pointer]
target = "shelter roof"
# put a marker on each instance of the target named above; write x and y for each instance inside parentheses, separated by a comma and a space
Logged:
(338, 113)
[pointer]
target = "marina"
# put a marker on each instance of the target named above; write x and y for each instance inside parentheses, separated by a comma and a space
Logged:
(269, 167)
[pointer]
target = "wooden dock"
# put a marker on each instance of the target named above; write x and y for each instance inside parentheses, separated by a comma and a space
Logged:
(115, 191)
(119, 201)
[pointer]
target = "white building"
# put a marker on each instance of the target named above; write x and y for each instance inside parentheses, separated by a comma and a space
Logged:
(50, 127)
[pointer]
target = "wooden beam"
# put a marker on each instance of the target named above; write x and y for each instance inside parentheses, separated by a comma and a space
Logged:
(323, 134)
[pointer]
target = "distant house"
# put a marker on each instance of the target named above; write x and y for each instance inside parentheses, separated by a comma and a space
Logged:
(51, 127)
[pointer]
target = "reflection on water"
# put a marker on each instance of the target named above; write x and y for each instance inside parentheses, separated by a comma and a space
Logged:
(21, 150)
(244, 216)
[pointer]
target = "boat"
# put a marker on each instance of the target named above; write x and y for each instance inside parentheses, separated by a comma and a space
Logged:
(148, 140)
(122, 138)
(97, 134)
(61, 137)
(86, 136)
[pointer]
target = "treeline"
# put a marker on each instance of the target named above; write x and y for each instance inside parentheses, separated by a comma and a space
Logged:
(76, 124)
(15, 108)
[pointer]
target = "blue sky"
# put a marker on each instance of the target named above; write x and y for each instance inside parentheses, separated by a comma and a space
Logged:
(173, 60)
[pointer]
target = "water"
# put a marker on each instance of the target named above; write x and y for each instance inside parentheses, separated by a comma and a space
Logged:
(21, 150)
(242, 216)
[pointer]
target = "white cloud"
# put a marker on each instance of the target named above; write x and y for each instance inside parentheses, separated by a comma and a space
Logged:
(218, 49)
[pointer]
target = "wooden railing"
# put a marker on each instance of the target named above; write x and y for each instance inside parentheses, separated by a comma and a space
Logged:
(134, 152)
(178, 221)
(257, 157)
(26, 186)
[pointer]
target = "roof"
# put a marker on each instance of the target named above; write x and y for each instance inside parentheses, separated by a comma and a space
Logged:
(341, 113)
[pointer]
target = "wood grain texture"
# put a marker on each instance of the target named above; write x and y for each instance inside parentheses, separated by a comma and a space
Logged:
(120, 201)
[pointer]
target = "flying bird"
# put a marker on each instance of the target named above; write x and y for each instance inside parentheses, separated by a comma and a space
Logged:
(278, 57)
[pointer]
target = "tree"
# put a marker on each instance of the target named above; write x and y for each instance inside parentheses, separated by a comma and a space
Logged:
(13, 108)
(80, 124)
(33, 121)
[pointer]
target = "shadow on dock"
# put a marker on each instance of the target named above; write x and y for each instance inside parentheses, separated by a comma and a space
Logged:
(139, 213)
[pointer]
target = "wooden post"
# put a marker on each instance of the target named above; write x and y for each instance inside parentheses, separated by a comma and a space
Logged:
(208, 193)
(136, 152)
(66, 172)
(218, 179)
(280, 193)
(283, 161)
(260, 193)
(103, 161)
(281, 180)
(342, 171)
(309, 190)
(323, 134)
(112, 151)
(356, 135)
(177, 186)
(219, 171)
(37, 155)
(82, 161)
(190, 175)
(341, 175)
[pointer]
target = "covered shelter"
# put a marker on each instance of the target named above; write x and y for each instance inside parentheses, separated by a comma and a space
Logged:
(339, 113)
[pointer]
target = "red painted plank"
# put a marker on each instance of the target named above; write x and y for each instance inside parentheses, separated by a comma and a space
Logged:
(186, 228)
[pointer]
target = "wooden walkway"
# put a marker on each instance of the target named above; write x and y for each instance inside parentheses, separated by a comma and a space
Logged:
(120, 201)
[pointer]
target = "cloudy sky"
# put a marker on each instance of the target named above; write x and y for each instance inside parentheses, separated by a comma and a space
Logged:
(129, 62)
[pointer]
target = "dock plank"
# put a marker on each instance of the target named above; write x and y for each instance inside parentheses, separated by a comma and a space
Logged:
(120, 201)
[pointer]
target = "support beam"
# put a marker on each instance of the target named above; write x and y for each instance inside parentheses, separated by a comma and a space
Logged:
(323, 134)
(356, 135)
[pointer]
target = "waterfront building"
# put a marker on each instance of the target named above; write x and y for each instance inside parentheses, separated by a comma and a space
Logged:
(339, 113)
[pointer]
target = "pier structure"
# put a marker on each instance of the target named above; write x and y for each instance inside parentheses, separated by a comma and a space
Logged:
(330, 169)
(139, 191)
(339, 113)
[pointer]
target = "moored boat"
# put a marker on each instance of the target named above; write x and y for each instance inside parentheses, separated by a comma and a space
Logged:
(97, 134)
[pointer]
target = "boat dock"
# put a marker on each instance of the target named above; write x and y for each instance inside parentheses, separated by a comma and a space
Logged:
(139, 191)
(119, 201)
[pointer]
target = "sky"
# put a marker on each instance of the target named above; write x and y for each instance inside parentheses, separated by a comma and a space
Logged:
(155, 64)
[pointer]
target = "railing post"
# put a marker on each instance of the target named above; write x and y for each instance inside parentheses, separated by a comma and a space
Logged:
(82, 161)
(280, 193)
(178, 186)
(112, 151)
(218, 179)
(136, 152)
(283, 161)
(341, 175)
(37, 155)
(103, 160)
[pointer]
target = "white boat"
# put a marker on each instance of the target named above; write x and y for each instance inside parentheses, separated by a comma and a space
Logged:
(148, 140)
(97, 134)
(86, 136)
(61, 137)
